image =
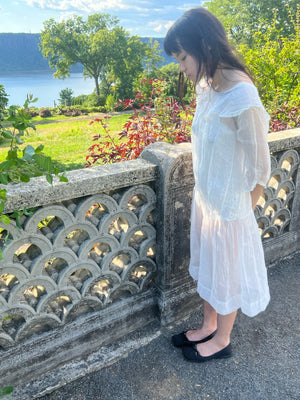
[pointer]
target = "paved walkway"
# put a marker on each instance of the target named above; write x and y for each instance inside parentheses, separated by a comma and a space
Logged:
(265, 365)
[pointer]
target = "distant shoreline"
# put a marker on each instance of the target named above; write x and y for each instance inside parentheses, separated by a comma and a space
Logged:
(20, 53)
(28, 72)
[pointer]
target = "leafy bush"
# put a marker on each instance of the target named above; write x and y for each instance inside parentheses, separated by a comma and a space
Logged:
(89, 100)
(33, 112)
(93, 100)
(159, 118)
(87, 110)
(169, 73)
(45, 112)
(273, 60)
(79, 100)
(110, 102)
(70, 112)
(286, 117)
(21, 165)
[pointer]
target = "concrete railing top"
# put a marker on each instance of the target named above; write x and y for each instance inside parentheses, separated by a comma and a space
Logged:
(80, 183)
(284, 140)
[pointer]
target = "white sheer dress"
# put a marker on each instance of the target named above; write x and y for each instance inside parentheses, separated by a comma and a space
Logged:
(230, 157)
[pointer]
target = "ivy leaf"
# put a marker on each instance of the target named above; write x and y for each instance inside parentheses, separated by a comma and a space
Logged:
(39, 149)
(28, 153)
(3, 178)
(48, 164)
(29, 212)
(18, 139)
(16, 215)
(12, 155)
(2, 204)
(3, 194)
(24, 178)
(49, 178)
(7, 134)
(5, 219)
(63, 178)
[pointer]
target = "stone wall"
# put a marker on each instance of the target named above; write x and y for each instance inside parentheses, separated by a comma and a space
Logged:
(278, 211)
(107, 253)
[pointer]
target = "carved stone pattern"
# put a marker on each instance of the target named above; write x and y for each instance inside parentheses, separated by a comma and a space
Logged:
(274, 210)
(75, 257)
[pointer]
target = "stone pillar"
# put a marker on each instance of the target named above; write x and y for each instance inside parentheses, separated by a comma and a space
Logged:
(177, 296)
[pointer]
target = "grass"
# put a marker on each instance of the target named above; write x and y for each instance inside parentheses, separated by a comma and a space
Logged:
(67, 142)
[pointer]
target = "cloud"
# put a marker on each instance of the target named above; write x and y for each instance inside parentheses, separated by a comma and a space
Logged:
(66, 15)
(160, 25)
(187, 6)
(169, 24)
(84, 5)
(158, 28)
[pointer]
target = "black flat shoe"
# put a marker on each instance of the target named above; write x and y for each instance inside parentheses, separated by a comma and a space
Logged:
(181, 340)
(191, 354)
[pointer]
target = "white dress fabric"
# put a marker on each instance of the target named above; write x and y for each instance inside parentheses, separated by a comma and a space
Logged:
(230, 157)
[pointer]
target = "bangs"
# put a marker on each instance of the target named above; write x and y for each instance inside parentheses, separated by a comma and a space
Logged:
(171, 42)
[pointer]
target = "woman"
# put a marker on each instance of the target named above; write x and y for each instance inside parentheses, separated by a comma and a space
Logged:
(231, 165)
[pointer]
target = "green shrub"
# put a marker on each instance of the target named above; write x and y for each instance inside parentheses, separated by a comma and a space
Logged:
(93, 100)
(21, 165)
(45, 112)
(79, 100)
(159, 118)
(273, 61)
(110, 102)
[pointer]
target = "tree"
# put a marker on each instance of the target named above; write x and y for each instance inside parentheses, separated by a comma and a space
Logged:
(65, 97)
(169, 73)
(132, 58)
(3, 102)
(73, 41)
(126, 63)
(107, 52)
(267, 34)
(274, 62)
(242, 17)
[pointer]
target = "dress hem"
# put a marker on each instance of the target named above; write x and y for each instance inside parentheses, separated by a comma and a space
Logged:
(234, 304)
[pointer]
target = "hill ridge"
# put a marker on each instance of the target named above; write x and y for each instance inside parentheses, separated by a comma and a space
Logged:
(19, 52)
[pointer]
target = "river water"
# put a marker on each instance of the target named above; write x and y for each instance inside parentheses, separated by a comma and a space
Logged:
(43, 86)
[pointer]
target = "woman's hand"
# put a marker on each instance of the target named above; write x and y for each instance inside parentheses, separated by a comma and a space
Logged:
(255, 195)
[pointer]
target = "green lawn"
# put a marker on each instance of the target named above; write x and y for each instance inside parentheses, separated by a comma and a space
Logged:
(67, 141)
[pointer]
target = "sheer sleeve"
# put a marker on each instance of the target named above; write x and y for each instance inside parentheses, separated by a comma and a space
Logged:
(252, 129)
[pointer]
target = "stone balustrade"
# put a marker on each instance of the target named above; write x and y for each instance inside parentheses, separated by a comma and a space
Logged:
(107, 252)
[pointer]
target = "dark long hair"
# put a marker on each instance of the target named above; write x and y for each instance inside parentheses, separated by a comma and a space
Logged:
(200, 34)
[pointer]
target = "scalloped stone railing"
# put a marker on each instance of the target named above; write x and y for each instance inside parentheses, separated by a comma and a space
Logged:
(79, 255)
(107, 252)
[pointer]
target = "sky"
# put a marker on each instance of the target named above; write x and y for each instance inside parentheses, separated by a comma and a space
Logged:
(139, 17)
